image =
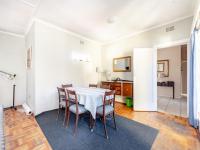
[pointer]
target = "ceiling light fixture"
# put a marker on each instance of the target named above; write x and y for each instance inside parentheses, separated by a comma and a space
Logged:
(112, 19)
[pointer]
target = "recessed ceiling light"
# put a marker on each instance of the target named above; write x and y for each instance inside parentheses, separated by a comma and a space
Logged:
(112, 19)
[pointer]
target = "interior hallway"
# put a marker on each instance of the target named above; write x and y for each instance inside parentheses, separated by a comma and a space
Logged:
(177, 107)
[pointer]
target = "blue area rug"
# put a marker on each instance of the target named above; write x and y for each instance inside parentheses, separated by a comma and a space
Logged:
(130, 135)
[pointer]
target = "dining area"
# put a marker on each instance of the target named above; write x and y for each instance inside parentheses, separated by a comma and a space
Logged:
(89, 117)
(92, 101)
(92, 114)
(80, 111)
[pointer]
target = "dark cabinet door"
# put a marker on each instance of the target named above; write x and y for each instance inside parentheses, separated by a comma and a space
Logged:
(112, 86)
(128, 89)
(118, 88)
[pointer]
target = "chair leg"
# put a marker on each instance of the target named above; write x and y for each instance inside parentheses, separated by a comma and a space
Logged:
(93, 124)
(58, 113)
(114, 120)
(76, 124)
(105, 130)
(90, 123)
(68, 115)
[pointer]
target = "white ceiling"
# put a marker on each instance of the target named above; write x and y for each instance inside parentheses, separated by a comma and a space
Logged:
(89, 17)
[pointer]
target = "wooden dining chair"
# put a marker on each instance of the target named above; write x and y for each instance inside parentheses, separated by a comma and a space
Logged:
(103, 86)
(67, 85)
(75, 108)
(68, 104)
(62, 98)
(93, 85)
(108, 108)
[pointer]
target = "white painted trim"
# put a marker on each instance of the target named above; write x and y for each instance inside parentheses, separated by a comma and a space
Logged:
(145, 30)
(102, 44)
(188, 76)
(28, 3)
(183, 94)
(89, 39)
(32, 18)
(196, 17)
(176, 43)
(172, 43)
(12, 34)
(85, 38)
(29, 26)
(61, 29)
(154, 72)
(164, 96)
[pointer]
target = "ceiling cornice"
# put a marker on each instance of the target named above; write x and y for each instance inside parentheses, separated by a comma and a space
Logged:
(86, 38)
(12, 34)
(145, 30)
(196, 16)
(28, 3)
(29, 26)
(61, 29)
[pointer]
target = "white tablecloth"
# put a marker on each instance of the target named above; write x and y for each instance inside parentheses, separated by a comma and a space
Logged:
(91, 98)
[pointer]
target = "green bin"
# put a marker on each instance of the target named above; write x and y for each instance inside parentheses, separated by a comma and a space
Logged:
(129, 102)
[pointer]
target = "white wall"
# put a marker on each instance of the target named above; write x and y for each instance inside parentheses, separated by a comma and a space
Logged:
(150, 38)
(173, 54)
(30, 73)
(12, 60)
(54, 64)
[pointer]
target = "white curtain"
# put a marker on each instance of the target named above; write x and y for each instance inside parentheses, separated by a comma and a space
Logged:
(194, 87)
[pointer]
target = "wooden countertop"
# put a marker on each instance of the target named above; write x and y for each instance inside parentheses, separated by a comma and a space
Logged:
(120, 81)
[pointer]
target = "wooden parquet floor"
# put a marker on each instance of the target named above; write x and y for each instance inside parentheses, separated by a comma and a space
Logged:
(174, 132)
(23, 133)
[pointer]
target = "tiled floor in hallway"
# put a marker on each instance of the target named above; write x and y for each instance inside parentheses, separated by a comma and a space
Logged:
(176, 107)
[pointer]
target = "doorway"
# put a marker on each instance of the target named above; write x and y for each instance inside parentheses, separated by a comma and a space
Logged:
(172, 80)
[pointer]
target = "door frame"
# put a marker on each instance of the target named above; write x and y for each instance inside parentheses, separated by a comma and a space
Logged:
(171, 44)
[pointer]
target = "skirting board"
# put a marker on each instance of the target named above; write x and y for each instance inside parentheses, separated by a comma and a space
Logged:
(184, 95)
(169, 97)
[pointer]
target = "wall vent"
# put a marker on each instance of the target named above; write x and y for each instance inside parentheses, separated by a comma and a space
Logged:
(171, 28)
(82, 42)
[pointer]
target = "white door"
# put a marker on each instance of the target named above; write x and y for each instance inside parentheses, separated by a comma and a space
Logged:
(145, 79)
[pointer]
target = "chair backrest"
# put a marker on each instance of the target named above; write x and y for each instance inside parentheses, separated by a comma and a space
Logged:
(72, 97)
(93, 85)
(61, 93)
(66, 85)
(109, 99)
(103, 86)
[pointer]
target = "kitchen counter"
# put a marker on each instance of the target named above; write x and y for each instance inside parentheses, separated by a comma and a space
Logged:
(121, 87)
(124, 81)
